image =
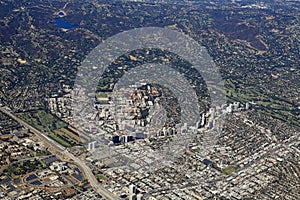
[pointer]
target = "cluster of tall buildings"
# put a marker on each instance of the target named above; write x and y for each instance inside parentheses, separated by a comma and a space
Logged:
(134, 193)
(128, 131)
(91, 145)
(208, 120)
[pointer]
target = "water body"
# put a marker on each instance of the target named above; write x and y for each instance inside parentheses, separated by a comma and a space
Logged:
(60, 23)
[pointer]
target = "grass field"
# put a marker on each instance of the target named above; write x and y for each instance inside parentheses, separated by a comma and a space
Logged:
(64, 133)
(57, 129)
(228, 170)
(269, 105)
(60, 140)
(42, 120)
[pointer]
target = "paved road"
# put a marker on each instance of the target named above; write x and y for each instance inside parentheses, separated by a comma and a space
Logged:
(87, 171)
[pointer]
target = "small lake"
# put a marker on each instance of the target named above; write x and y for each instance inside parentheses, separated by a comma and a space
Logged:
(60, 23)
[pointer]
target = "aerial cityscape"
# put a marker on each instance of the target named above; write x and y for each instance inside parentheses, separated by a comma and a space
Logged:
(149, 99)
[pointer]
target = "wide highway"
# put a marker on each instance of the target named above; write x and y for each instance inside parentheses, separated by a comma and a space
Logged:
(87, 171)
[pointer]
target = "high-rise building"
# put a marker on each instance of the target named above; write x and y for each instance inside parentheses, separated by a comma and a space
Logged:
(211, 124)
(230, 108)
(197, 125)
(247, 106)
(139, 197)
(184, 129)
(236, 105)
(203, 120)
(91, 146)
(132, 189)
(132, 197)
(125, 138)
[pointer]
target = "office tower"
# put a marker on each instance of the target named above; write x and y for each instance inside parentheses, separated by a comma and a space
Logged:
(247, 106)
(139, 197)
(132, 197)
(132, 189)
